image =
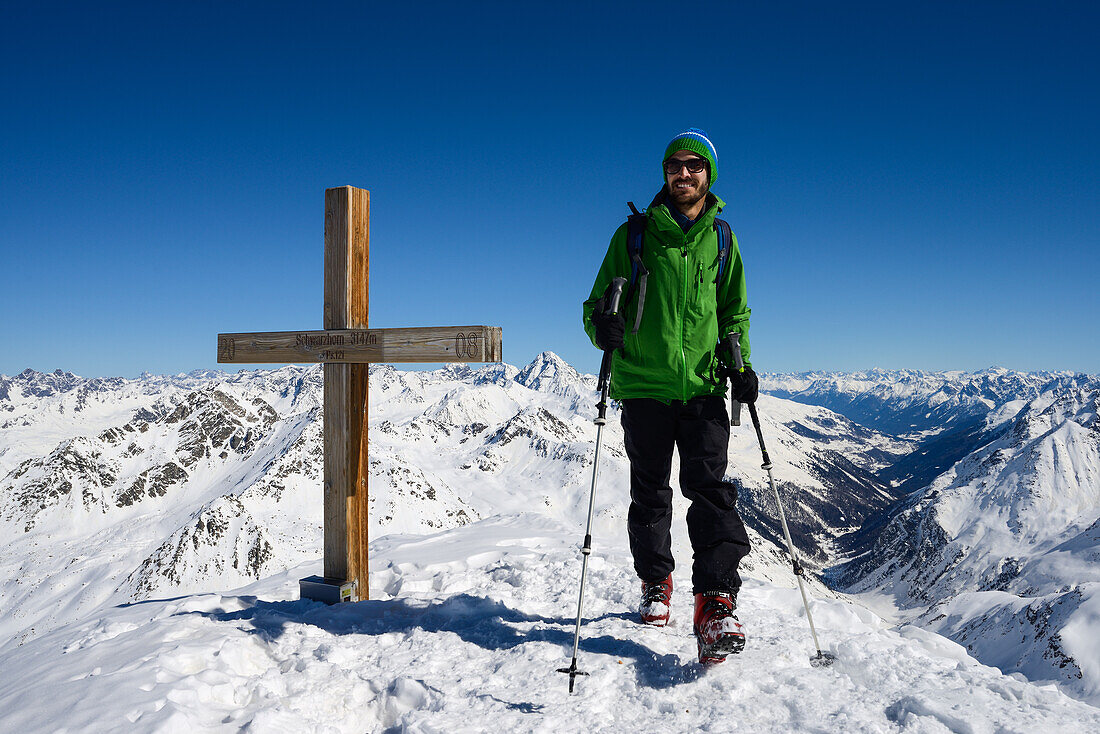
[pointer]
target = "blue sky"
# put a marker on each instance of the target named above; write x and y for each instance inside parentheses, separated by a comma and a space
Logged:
(912, 186)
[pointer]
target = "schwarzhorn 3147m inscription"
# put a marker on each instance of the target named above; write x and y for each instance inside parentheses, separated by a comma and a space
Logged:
(353, 339)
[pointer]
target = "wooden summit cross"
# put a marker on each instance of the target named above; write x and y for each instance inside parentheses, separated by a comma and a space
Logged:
(346, 346)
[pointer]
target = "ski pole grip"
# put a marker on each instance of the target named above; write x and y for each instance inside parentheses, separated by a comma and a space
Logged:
(615, 290)
(736, 338)
(616, 294)
(733, 341)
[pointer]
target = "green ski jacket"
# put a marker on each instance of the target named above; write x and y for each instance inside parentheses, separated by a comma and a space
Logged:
(672, 357)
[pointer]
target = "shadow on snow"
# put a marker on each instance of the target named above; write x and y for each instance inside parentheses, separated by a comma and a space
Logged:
(486, 623)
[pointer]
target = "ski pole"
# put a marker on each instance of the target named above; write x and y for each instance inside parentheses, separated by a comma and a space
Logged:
(822, 658)
(616, 292)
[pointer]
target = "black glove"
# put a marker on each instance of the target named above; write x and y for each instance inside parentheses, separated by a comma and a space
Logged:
(744, 386)
(610, 328)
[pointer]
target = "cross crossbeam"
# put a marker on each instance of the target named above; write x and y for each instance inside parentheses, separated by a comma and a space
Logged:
(364, 346)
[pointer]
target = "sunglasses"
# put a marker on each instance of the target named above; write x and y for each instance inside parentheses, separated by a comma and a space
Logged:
(694, 165)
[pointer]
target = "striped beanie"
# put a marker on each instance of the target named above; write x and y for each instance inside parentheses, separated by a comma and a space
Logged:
(696, 141)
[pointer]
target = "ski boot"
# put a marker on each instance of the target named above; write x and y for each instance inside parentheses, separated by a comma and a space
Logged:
(656, 601)
(716, 627)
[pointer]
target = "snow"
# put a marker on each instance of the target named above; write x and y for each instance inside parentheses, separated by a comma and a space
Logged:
(464, 631)
(134, 617)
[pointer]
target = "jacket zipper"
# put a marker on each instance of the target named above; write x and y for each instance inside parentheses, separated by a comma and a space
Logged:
(683, 313)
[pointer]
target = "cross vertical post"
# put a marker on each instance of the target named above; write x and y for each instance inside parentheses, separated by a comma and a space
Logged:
(347, 256)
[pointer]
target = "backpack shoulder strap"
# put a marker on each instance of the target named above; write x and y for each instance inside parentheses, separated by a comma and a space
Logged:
(725, 236)
(635, 241)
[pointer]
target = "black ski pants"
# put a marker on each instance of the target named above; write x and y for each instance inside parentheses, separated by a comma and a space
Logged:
(700, 430)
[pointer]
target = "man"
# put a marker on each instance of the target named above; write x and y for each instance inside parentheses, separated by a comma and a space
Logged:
(671, 384)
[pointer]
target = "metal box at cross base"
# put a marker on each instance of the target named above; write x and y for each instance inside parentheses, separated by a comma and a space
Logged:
(329, 591)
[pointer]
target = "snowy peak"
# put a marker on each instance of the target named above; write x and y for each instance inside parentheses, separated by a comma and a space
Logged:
(142, 459)
(1031, 485)
(1003, 546)
(74, 478)
(537, 424)
(1042, 475)
(211, 421)
(32, 384)
(549, 373)
(223, 541)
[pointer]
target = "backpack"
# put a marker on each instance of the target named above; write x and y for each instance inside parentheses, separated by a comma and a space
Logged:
(639, 273)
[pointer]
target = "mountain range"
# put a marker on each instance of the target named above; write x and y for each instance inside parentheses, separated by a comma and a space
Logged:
(965, 503)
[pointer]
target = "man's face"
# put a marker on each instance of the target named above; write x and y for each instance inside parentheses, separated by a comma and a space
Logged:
(684, 187)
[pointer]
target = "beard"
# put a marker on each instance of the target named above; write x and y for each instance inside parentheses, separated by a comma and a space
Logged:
(687, 198)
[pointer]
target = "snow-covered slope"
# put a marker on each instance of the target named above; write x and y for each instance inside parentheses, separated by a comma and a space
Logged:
(464, 632)
(1001, 551)
(996, 546)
